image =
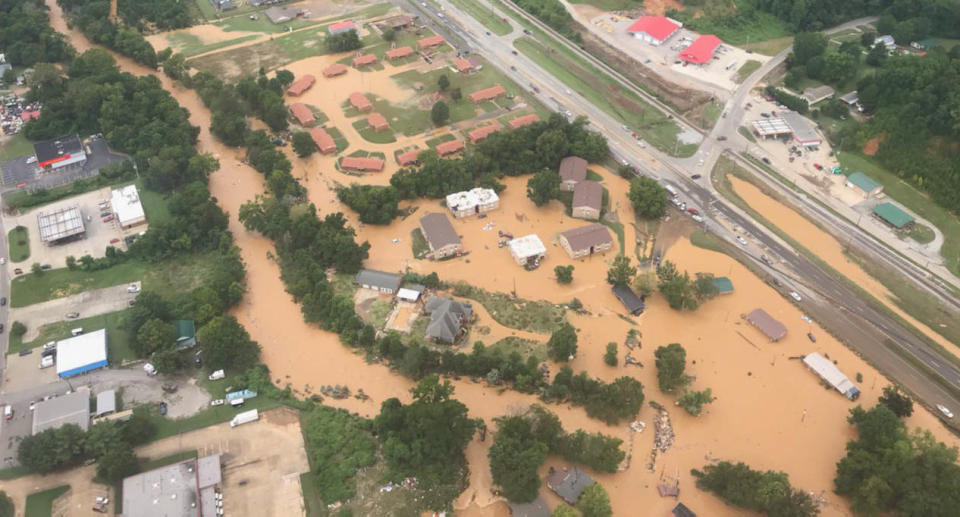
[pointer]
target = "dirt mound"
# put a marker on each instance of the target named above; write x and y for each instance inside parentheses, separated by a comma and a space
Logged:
(870, 148)
(659, 7)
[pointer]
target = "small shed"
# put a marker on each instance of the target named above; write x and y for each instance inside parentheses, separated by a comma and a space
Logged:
(186, 331)
(893, 215)
(723, 284)
(865, 184)
(106, 403)
(773, 329)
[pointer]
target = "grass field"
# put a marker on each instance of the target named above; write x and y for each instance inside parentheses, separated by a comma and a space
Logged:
(419, 243)
(484, 15)
(435, 141)
(517, 313)
(770, 47)
(370, 135)
(154, 205)
(707, 241)
(915, 200)
(611, 5)
(40, 504)
(526, 347)
(16, 147)
(18, 243)
(190, 45)
(743, 130)
(748, 68)
(118, 337)
(169, 278)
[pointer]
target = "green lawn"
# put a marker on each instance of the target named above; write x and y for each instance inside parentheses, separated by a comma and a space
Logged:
(263, 24)
(747, 68)
(707, 241)
(19, 244)
(617, 229)
(915, 200)
(611, 5)
(711, 113)
(921, 233)
(16, 147)
(517, 313)
(369, 134)
(338, 139)
(169, 278)
(526, 347)
(118, 337)
(770, 47)
(40, 504)
(190, 45)
(435, 141)
(743, 130)
(484, 15)
(762, 27)
(419, 243)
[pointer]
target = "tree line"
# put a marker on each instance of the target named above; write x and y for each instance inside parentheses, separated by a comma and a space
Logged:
(26, 36)
(554, 14)
(230, 104)
(765, 492)
(92, 17)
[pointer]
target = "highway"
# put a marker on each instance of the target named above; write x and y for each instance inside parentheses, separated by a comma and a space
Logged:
(863, 328)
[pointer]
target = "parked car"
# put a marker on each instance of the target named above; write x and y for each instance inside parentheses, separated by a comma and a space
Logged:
(45, 267)
(150, 369)
(163, 408)
(3, 300)
(946, 412)
(741, 240)
(721, 138)
(46, 362)
(813, 339)
(114, 240)
(169, 388)
(72, 315)
(26, 351)
(18, 271)
(77, 331)
(217, 402)
(3, 260)
(697, 218)
(133, 288)
(50, 345)
(765, 160)
(765, 115)
(8, 412)
(107, 219)
(818, 166)
(693, 211)
(696, 176)
(795, 296)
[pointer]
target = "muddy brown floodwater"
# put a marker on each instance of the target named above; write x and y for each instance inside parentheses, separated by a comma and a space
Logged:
(770, 411)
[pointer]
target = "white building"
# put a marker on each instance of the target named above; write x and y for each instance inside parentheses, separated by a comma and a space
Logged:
(82, 353)
(830, 373)
(527, 250)
(474, 201)
(127, 207)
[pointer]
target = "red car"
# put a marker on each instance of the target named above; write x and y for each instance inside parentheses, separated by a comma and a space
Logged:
(108, 218)
(114, 241)
(818, 166)
(693, 211)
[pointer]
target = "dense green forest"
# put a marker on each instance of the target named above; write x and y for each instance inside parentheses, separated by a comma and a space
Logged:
(26, 37)
(163, 14)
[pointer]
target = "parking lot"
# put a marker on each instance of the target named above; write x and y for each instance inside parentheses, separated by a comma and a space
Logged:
(23, 173)
(97, 236)
(23, 372)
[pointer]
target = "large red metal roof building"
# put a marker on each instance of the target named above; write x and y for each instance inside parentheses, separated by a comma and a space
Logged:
(701, 51)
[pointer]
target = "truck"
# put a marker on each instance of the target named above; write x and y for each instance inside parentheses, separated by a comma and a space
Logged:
(245, 418)
(217, 375)
(242, 394)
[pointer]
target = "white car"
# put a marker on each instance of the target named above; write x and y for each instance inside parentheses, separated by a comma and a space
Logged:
(946, 412)
(133, 288)
(697, 218)
(795, 296)
(741, 240)
(3, 261)
(217, 402)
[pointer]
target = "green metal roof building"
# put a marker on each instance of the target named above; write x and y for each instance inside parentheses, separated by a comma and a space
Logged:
(864, 183)
(186, 332)
(723, 285)
(893, 215)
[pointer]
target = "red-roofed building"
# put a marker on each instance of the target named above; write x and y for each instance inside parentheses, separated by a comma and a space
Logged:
(432, 41)
(487, 94)
(334, 70)
(654, 29)
(302, 114)
(361, 102)
(408, 157)
(377, 122)
(323, 140)
(464, 66)
(29, 115)
(525, 120)
(701, 51)
(480, 133)
(450, 147)
(399, 52)
(354, 163)
(301, 85)
(364, 60)
(339, 27)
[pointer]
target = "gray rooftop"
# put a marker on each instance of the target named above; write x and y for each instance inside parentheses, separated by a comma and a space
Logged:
(569, 484)
(765, 323)
(378, 279)
(591, 235)
(60, 223)
(629, 299)
(446, 318)
(588, 193)
(106, 402)
(73, 408)
(573, 168)
(802, 128)
(438, 231)
(536, 508)
(178, 490)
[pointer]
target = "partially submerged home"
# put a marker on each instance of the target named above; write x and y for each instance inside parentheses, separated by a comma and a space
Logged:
(448, 319)
(569, 484)
(629, 299)
(382, 281)
(586, 240)
(474, 201)
(773, 329)
(527, 250)
(573, 169)
(587, 200)
(440, 235)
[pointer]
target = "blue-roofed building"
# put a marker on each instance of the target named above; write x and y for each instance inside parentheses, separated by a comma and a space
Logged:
(723, 285)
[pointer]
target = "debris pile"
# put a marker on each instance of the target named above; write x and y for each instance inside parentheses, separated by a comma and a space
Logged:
(663, 437)
(337, 392)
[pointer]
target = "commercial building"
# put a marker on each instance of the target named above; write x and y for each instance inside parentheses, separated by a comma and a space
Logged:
(188, 488)
(432, 41)
(61, 152)
(773, 329)
(323, 140)
(771, 128)
(804, 133)
(474, 201)
(302, 114)
(893, 215)
(586, 240)
(301, 85)
(464, 66)
(481, 133)
(341, 27)
(830, 373)
(573, 169)
(527, 250)
(629, 299)
(72, 408)
(655, 30)
(525, 120)
(377, 122)
(487, 94)
(106, 403)
(82, 353)
(357, 164)
(448, 148)
(378, 280)
(587, 200)
(448, 319)
(360, 102)
(408, 157)
(127, 207)
(569, 484)
(818, 94)
(334, 70)
(399, 52)
(186, 334)
(864, 184)
(723, 284)
(440, 235)
(364, 60)
(701, 51)
(60, 224)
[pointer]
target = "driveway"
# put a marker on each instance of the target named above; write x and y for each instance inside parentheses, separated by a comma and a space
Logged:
(88, 304)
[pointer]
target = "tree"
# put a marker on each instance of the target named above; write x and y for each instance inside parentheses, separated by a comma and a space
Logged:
(562, 345)
(71, 262)
(36, 269)
(101, 437)
(693, 401)
(343, 41)
(703, 286)
(117, 463)
(767, 492)
(645, 283)
(671, 363)
(18, 329)
(564, 274)
(610, 357)
(6, 505)
(867, 39)
(807, 45)
(375, 204)
(515, 456)
(621, 272)
(225, 344)
(543, 187)
(563, 510)
(648, 198)
(456, 94)
(877, 56)
(389, 34)
(676, 287)
(594, 502)
(443, 82)
(303, 144)
(897, 401)
(155, 334)
(52, 449)
(439, 113)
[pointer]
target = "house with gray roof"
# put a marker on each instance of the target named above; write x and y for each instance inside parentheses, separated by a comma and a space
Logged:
(569, 484)
(587, 200)
(447, 318)
(440, 235)
(378, 280)
(535, 508)
(633, 303)
(573, 169)
(586, 240)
